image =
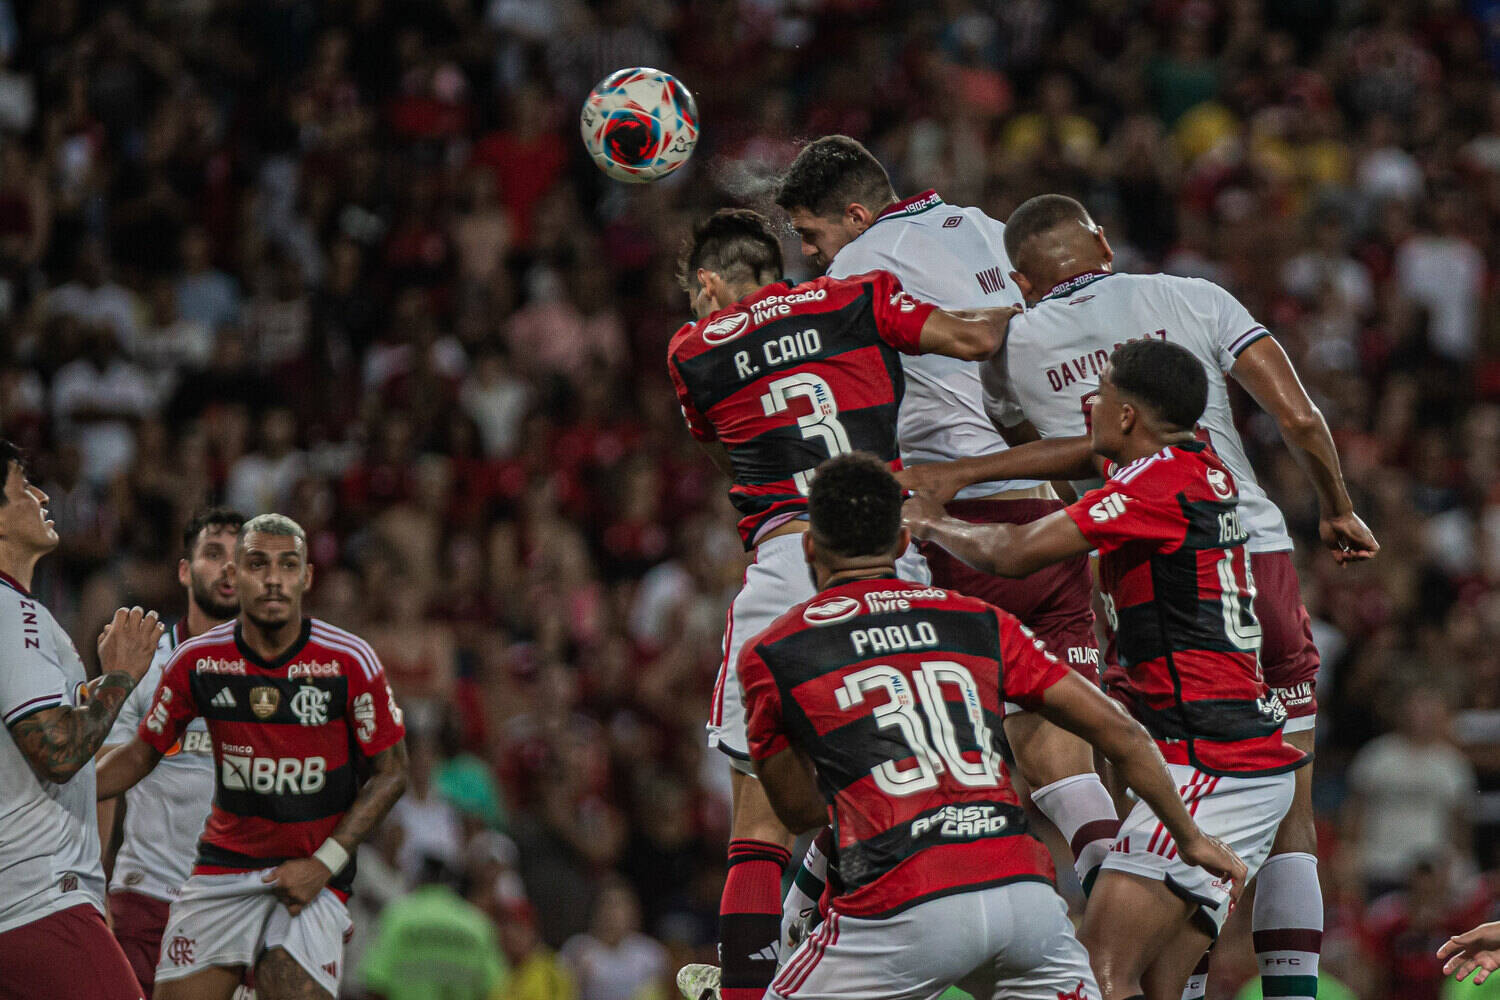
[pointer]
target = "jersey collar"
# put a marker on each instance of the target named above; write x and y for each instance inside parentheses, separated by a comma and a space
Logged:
(291, 653)
(915, 205)
(1068, 286)
(13, 584)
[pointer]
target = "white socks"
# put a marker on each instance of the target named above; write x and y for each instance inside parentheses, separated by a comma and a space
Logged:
(1082, 810)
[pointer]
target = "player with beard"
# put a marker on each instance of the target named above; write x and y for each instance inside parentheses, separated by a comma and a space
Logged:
(164, 813)
(311, 753)
(53, 940)
(842, 205)
(1043, 384)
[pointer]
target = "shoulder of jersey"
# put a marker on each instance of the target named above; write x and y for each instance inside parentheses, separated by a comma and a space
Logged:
(213, 637)
(344, 642)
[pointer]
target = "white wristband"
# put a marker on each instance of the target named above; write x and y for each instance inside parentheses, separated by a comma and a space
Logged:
(333, 855)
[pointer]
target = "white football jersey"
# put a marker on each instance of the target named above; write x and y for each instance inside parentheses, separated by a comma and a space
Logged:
(954, 258)
(1049, 369)
(164, 812)
(49, 833)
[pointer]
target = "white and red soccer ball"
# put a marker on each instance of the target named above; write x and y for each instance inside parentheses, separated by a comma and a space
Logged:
(639, 124)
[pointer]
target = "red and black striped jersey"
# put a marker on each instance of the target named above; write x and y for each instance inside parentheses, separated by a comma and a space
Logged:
(896, 692)
(1179, 594)
(788, 376)
(289, 738)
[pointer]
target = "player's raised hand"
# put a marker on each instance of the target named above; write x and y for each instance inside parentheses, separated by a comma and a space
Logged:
(128, 642)
(1476, 951)
(298, 882)
(1348, 538)
(934, 480)
(919, 513)
(1214, 856)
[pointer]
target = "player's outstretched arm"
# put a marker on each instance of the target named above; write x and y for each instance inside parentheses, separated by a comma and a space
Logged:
(974, 335)
(58, 742)
(792, 790)
(1057, 458)
(298, 882)
(1012, 550)
(1267, 374)
(122, 766)
(1476, 951)
(1079, 707)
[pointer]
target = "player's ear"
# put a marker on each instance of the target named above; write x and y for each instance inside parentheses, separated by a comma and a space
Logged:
(1105, 249)
(1022, 285)
(903, 541)
(858, 217)
(307, 577)
(182, 572)
(809, 548)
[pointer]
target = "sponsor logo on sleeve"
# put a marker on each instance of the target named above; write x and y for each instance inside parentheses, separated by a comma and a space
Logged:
(1220, 484)
(835, 609)
(364, 716)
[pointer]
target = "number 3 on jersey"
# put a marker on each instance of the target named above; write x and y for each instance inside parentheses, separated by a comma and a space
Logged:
(821, 424)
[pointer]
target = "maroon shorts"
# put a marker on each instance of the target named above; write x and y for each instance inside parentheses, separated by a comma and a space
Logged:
(1055, 603)
(139, 921)
(1288, 657)
(69, 953)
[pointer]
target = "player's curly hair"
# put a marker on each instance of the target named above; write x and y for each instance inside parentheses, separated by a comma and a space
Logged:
(737, 244)
(832, 172)
(1166, 377)
(855, 506)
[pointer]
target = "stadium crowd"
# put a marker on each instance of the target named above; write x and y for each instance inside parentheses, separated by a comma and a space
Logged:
(348, 261)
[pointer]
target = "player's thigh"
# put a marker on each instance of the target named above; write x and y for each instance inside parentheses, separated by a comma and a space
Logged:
(774, 582)
(1127, 924)
(752, 816)
(69, 953)
(218, 921)
(1038, 954)
(1168, 975)
(1298, 832)
(279, 976)
(312, 941)
(211, 983)
(1045, 752)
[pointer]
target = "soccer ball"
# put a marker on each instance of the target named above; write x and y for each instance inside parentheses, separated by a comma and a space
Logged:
(639, 124)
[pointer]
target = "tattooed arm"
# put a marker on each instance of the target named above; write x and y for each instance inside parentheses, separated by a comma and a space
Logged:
(57, 742)
(297, 882)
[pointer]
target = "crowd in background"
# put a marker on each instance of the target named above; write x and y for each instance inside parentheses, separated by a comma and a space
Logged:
(346, 259)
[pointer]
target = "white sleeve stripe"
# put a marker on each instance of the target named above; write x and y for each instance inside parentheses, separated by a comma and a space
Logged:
(364, 657)
(348, 639)
(1136, 468)
(34, 705)
(1244, 340)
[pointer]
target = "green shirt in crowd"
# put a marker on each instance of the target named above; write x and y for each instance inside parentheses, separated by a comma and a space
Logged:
(432, 945)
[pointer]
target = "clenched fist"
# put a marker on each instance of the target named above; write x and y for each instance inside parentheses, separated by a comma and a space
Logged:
(128, 642)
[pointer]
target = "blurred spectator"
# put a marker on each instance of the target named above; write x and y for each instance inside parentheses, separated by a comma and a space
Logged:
(263, 479)
(614, 960)
(1405, 928)
(1412, 793)
(431, 943)
(204, 295)
(429, 828)
(96, 400)
(536, 971)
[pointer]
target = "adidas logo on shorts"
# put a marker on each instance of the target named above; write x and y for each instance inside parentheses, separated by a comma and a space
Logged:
(224, 699)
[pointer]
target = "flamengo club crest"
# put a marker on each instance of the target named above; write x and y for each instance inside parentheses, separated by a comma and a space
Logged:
(263, 701)
(310, 705)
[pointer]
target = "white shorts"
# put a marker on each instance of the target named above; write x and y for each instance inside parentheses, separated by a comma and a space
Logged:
(227, 920)
(1009, 941)
(1242, 812)
(777, 580)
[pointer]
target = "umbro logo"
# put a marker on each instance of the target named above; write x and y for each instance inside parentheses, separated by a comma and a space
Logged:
(224, 699)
